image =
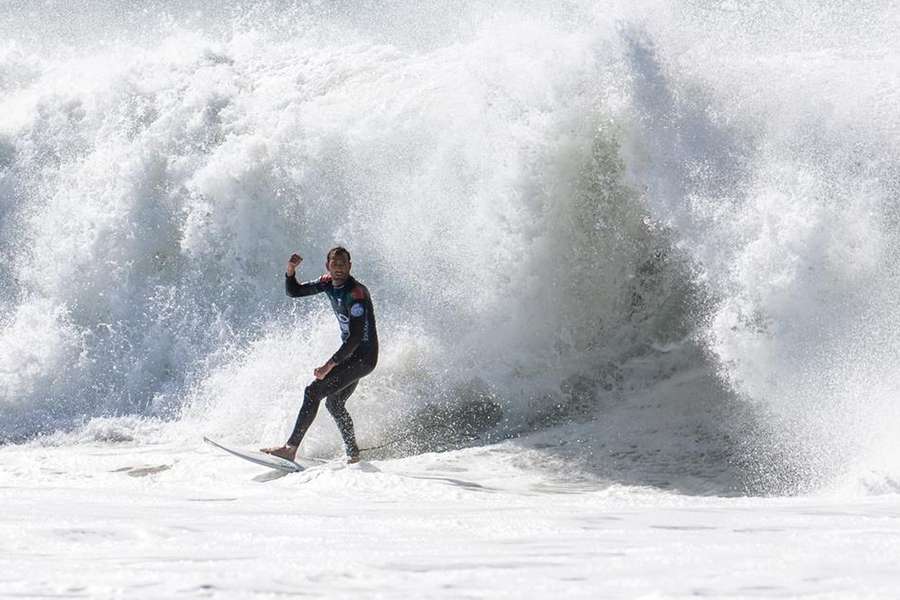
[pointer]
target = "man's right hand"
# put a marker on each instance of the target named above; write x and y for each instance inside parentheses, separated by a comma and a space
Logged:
(293, 263)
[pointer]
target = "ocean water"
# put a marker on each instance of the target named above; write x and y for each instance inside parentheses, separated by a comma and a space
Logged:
(636, 255)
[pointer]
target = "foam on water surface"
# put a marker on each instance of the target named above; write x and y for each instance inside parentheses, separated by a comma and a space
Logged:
(634, 267)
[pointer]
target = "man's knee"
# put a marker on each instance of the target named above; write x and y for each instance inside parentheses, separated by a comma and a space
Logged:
(313, 394)
(334, 406)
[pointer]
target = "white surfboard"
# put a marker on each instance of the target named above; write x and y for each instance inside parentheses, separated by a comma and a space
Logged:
(267, 460)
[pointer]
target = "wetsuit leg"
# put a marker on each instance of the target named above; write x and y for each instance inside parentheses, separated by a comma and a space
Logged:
(336, 405)
(342, 376)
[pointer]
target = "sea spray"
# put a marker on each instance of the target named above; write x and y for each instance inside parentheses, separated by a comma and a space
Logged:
(669, 223)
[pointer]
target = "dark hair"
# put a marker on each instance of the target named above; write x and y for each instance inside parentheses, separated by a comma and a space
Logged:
(335, 251)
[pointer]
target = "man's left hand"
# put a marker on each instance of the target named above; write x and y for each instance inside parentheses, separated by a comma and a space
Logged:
(323, 371)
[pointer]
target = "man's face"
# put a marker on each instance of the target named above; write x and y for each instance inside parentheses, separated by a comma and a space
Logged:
(339, 268)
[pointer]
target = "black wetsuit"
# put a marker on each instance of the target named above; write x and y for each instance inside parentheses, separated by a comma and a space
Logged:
(355, 359)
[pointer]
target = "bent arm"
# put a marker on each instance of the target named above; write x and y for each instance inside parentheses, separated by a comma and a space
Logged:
(357, 326)
(298, 290)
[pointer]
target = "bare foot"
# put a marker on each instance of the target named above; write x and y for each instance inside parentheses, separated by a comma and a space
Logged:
(353, 458)
(286, 452)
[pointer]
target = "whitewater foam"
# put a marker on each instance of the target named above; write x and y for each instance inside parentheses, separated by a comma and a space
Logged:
(563, 214)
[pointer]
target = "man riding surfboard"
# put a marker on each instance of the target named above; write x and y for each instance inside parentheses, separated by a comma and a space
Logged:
(337, 378)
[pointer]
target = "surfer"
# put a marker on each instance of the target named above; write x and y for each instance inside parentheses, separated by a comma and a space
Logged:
(337, 378)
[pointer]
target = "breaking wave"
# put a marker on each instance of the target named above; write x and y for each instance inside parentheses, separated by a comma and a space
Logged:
(657, 241)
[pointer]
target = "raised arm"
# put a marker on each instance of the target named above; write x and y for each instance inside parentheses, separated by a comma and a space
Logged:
(295, 289)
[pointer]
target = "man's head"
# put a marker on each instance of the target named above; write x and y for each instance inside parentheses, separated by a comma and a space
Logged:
(337, 263)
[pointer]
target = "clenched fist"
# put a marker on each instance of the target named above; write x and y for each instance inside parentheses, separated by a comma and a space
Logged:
(293, 262)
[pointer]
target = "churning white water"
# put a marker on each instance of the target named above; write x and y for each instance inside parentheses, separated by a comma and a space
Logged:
(650, 245)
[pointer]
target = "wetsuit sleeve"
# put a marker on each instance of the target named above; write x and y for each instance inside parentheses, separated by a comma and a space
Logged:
(307, 288)
(357, 327)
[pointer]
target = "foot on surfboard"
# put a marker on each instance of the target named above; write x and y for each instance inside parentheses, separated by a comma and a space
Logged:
(352, 458)
(285, 452)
